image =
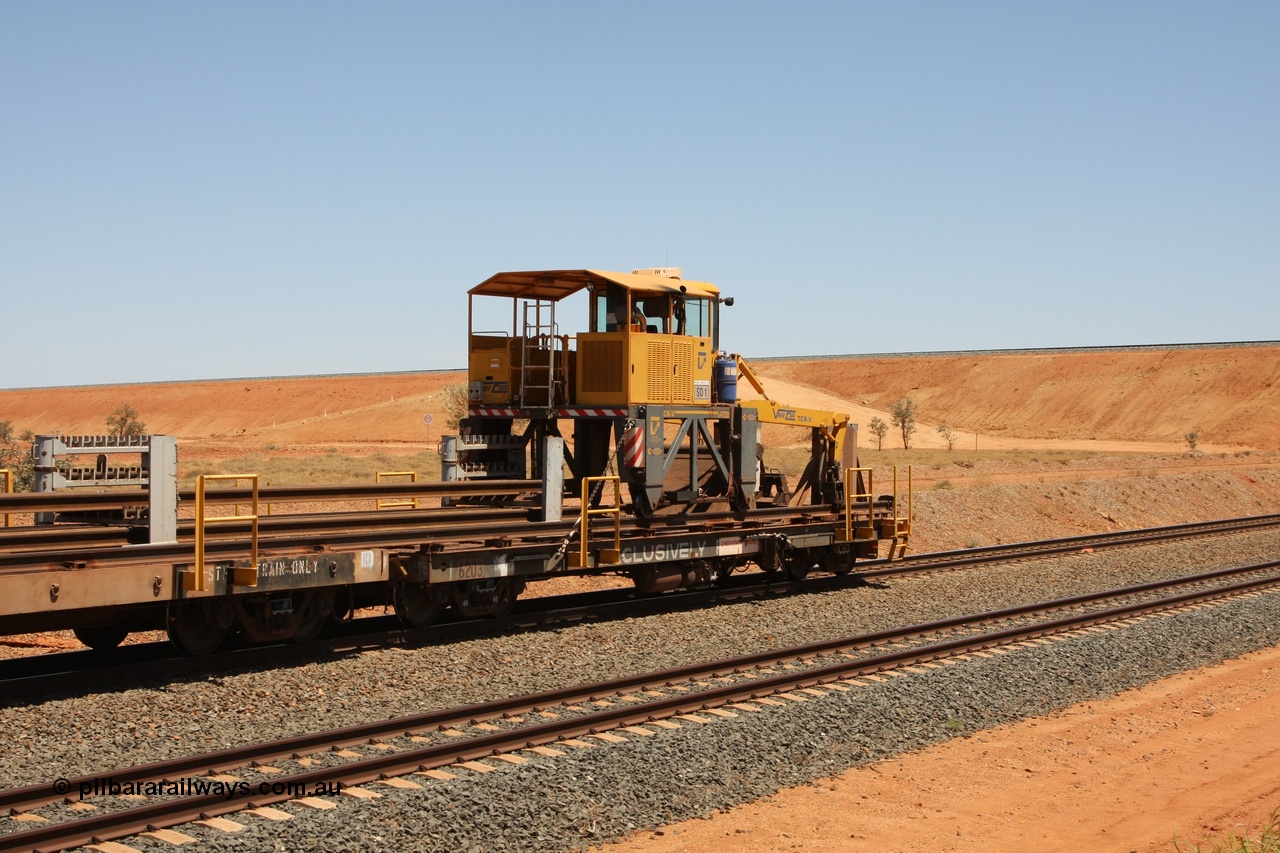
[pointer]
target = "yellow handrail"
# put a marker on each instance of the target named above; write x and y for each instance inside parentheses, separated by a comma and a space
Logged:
(240, 577)
(8, 490)
(850, 497)
(606, 556)
(911, 492)
(397, 504)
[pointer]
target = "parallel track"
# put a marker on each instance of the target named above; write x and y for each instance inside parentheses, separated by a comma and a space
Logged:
(630, 701)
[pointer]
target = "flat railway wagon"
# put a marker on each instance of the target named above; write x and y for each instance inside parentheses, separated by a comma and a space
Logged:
(621, 449)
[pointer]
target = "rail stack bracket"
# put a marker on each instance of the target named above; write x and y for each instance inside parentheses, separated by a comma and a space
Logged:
(552, 477)
(157, 472)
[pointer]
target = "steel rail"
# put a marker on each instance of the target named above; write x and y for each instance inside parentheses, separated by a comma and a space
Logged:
(941, 560)
(79, 500)
(127, 822)
(1231, 524)
(310, 541)
(35, 541)
(65, 537)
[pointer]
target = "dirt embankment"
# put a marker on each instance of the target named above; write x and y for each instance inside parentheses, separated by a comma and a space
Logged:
(373, 408)
(1143, 401)
(1228, 395)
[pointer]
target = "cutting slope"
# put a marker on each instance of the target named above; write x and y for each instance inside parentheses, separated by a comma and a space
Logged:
(1137, 400)
(1229, 395)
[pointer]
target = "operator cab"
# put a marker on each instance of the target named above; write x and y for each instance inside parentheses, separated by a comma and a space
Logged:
(651, 337)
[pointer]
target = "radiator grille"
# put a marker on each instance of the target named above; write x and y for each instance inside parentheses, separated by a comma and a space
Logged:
(659, 371)
(682, 379)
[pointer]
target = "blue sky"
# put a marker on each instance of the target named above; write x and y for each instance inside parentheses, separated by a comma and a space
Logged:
(221, 189)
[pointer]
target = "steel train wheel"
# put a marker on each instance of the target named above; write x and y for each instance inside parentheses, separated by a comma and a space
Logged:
(198, 627)
(798, 563)
(101, 637)
(837, 559)
(417, 605)
(317, 615)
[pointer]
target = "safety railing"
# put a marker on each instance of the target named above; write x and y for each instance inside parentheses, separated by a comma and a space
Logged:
(901, 531)
(611, 556)
(240, 576)
(8, 490)
(859, 529)
(395, 503)
(852, 496)
(910, 517)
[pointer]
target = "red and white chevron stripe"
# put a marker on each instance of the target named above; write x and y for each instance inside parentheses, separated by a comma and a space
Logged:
(561, 413)
(633, 447)
(591, 413)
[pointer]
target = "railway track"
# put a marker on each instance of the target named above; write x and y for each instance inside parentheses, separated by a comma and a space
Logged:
(87, 670)
(940, 560)
(425, 742)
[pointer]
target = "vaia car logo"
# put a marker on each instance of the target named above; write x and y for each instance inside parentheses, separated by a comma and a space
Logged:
(702, 360)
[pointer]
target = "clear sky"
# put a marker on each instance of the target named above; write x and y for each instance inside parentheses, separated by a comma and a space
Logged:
(223, 189)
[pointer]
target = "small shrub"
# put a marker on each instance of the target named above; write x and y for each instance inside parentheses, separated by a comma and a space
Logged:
(944, 485)
(124, 422)
(948, 435)
(904, 413)
(15, 456)
(456, 402)
(879, 429)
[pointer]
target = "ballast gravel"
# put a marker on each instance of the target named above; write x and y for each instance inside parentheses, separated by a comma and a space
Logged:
(594, 794)
(605, 791)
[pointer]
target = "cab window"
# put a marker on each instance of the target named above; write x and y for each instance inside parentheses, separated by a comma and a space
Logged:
(608, 305)
(697, 318)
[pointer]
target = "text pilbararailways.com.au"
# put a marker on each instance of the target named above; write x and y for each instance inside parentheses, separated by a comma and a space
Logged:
(193, 786)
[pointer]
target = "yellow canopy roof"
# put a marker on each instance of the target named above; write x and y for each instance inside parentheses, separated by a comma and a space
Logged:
(557, 284)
